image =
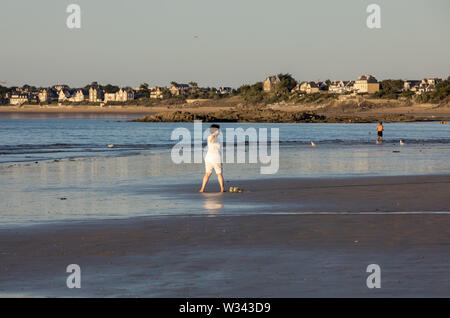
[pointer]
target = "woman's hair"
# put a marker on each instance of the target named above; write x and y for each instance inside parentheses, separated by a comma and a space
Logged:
(214, 129)
(381, 123)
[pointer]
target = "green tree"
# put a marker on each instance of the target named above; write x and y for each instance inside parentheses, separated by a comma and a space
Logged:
(408, 94)
(93, 84)
(144, 86)
(243, 89)
(253, 94)
(3, 90)
(111, 88)
(144, 91)
(391, 86)
(441, 92)
(287, 82)
(389, 89)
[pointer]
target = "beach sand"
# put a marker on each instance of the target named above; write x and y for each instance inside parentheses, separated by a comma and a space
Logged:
(259, 255)
(89, 111)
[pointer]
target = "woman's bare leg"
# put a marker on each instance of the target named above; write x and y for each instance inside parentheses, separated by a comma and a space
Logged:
(205, 181)
(220, 177)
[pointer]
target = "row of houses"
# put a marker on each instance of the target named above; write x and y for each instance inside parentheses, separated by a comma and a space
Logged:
(97, 94)
(91, 95)
(364, 84)
(183, 89)
(62, 93)
(421, 86)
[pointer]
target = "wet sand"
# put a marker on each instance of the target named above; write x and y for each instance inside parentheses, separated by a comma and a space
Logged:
(266, 255)
(345, 194)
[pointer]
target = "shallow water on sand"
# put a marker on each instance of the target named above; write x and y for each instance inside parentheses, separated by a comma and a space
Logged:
(121, 187)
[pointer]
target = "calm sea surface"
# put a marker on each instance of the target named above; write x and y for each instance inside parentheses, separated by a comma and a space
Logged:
(47, 139)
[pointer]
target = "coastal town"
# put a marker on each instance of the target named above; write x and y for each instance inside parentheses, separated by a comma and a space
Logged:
(96, 94)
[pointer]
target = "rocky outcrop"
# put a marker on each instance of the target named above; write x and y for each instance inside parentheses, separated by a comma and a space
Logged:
(267, 115)
(242, 116)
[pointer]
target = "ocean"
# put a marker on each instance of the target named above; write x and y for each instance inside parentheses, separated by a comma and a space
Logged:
(23, 140)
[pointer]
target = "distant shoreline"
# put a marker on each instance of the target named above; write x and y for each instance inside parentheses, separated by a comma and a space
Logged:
(205, 112)
(73, 112)
(74, 109)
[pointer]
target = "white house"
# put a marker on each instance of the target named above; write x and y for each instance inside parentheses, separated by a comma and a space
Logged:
(18, 98)
(79, 96)
(43, 95)
(122, 95)
(179, 89)
(366, 84)
(63, 95)
(271, 83)
(156, 92)
(95, 94)
(337, 87)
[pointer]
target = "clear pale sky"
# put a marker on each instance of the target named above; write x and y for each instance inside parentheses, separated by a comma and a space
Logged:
(217, 43)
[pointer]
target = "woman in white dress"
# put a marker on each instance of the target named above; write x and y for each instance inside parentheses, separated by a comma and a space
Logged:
(213, 158)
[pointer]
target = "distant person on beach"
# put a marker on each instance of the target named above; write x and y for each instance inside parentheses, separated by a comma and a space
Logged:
(213, 159)
(380, 130)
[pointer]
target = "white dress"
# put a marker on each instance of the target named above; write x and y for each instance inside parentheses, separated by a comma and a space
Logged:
(213, 158)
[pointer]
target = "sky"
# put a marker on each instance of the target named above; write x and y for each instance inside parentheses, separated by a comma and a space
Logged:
(220, 43)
